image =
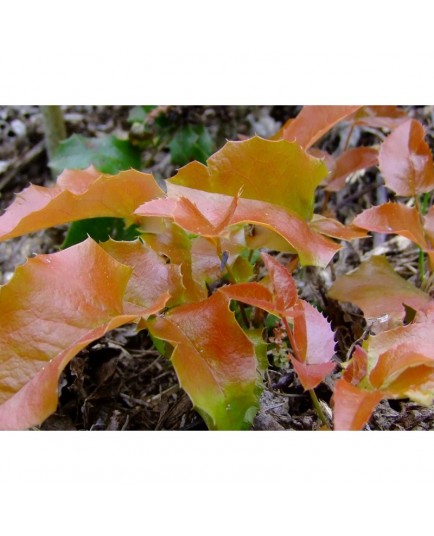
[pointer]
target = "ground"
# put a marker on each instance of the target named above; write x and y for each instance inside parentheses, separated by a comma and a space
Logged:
(121, 382)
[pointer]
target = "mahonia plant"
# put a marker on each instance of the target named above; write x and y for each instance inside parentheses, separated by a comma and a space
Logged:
(200, 233)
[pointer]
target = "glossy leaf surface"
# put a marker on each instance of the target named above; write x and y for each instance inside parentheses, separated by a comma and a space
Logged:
(348, 162)
(313, 122)
(76, 196)
(203, 213)
(393, 218)
(406, 161)
(378, 290)
(53, 307)
(214, 361)
(352, 407)
(275, 172)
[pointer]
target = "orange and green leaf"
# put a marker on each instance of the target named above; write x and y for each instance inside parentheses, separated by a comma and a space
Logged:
(53, 307)
(214, 361)
(77, 195)
(352, 407)
(378, 290)
(274, 172)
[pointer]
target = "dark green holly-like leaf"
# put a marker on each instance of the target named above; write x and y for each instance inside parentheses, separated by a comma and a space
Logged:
(108, 154)
(191, 143)
(100, 229)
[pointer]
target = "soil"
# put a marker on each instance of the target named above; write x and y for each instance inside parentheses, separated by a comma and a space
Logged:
(121, 382)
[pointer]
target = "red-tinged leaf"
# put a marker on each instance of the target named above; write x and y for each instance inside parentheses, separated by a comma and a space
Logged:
(151, 276)
(353, 406)
(335, 229)
(283, 284)
(380, 117)
(312, 248)
(174, 243)
(77, 195)
(348, 162)
(54, 306)
(313, 122)
(378, 290)
(406, 161)
(415, 383)
(311, 375)
(214, 360)
(393, 218)
(253, 294)
(357, 367)
(275, 172)
(313, 335)
(392, 363)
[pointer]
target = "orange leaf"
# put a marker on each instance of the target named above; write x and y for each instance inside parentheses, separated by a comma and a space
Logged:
(393, 218)
(275, 172)
(353, 406)
(315, 344)
(378, 290)
(151, 276)
(283, 284)
(357, 366)
(335, 229)
(348, 162)
(313, 122)
(253, 294)
(392, 363)
(406, 161)
(380, 116)
(53, 307)
(77, 195)
(214, 361)
(311, 247)
(311, 375)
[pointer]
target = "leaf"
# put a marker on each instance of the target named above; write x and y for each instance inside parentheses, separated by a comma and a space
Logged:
(201, 213)
(393, 218)
(283, 284)
(313, 122)
(399, 358)
(76, 196)
(191, 142)
(108, 154)
(214, 361)
(100, 229)
(151, 276)
(406, 161)
(315, 345)
(380, 116)
(378, 290)
(53, 307)
(357, 368)
(335, 229)
(275, 172)
(353, 406)
(348, 162)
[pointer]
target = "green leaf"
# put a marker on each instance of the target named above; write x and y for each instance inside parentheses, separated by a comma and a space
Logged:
(100, 229)
(138, 114)
(108, 154)
(191, 143)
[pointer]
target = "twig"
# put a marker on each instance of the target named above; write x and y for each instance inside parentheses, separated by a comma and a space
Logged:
(22, 162)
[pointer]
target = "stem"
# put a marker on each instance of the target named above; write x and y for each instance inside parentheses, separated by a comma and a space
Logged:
(318, 408)
(54, 127)
(421, 206)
